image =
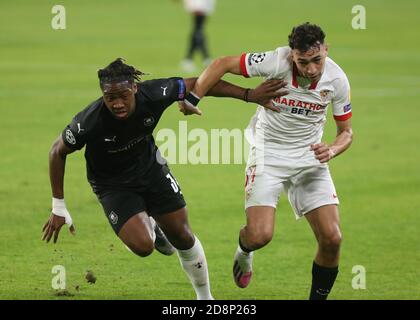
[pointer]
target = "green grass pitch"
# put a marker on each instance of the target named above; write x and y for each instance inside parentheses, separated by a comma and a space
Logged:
(47, 76)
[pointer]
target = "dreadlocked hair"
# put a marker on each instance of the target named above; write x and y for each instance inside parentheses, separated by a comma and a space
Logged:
(118, 70)
(305, 36)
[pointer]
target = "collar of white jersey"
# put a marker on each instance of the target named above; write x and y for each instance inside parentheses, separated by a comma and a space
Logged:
(314, 84)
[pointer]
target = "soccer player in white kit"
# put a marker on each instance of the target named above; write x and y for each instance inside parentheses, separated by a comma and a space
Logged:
(286, 152)
(200, 10)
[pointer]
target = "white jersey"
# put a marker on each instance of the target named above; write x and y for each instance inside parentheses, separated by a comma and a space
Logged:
(203, 6)
(286, 136)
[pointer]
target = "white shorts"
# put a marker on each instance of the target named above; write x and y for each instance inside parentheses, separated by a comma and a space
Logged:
(307, 188)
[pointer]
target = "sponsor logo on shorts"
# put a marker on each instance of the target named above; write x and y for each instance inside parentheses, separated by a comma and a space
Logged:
(70, 137)
(113, 217)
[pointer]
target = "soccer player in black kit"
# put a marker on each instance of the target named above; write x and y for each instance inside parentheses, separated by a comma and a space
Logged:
(140, 197)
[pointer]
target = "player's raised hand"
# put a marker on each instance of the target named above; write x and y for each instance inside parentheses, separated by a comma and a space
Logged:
(188, 109)
(266, 91)
(323, 152)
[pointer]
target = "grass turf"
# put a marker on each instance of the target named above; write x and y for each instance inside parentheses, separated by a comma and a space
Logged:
(47, 76)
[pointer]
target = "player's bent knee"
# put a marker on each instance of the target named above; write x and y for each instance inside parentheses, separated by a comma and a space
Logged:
(142, 250)
(260, 239)
(264, 239)
(331, 243)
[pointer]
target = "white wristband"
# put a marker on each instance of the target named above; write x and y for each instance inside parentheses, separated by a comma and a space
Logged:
(59, 209)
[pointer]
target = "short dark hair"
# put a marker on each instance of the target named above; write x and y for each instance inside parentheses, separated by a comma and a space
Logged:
(117, 70)
(305, 36)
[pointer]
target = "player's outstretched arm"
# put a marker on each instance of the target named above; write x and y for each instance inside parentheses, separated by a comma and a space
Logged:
(207, 80)
(214, 72)
(262, 94)
(324, 152)
(59, 215)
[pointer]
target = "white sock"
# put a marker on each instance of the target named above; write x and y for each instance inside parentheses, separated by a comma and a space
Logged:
(194, 263)
(244, 259)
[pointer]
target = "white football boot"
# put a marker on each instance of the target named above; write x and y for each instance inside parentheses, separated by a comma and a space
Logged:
(242, 268)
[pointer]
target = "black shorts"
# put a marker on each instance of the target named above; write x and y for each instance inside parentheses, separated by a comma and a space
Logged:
(162, 195)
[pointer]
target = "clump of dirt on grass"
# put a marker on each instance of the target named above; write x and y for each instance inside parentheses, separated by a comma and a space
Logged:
(90, 277)
(63, 293)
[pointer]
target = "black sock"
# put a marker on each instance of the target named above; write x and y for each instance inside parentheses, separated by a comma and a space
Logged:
(322, 281)
(242, 247)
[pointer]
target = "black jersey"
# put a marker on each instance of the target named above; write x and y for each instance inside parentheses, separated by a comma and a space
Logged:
(123, 152)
